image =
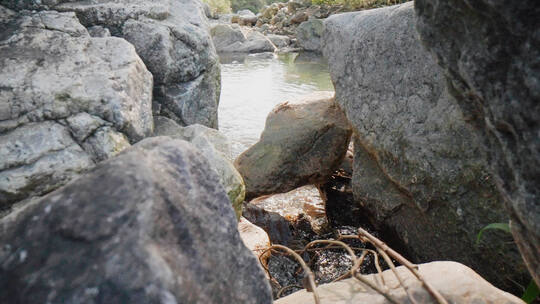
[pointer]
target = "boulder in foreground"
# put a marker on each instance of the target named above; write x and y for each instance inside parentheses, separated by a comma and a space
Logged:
(216, 148)
(152, 225)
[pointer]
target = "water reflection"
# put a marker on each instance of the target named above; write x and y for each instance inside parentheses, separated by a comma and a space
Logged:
(252, 85)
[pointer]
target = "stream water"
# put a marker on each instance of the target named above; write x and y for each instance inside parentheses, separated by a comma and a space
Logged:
(252, 85)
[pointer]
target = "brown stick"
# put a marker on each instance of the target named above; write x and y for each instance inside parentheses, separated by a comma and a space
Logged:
(309, 275)
(364, 235)
(376, 288)
(401, 282)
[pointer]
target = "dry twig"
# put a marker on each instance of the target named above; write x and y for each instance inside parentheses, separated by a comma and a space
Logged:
(382, 249)
(364, 235)
(311, 286)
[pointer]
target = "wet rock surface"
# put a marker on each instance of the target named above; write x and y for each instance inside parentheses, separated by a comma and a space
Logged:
(497, 86)
(303, 143)
(67, 101)
(418, 165)
(159, 230)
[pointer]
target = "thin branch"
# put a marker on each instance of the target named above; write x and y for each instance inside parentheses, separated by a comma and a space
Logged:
(393, 267)
(311, 286)
(378, 277)
(376, 288)
(413, 268)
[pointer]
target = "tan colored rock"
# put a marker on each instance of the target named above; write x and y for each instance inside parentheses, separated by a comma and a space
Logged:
(254, 237)
(456, 282)
(270, 11)
(152, 225)
(303, 143)
(292, 6)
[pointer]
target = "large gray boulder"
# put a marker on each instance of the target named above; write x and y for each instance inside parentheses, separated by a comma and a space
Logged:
(172, 38)
(420, 168)
(67, 101)
(235, 39)
(456, 282)
(152, 225)
(216, 148)
(303, 143)
(490, 51)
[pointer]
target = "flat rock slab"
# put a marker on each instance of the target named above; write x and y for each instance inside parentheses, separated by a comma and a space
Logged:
(303, 143)
(152, 225)
(456, 283)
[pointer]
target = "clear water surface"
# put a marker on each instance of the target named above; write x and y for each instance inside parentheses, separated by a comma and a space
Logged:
(251, 86)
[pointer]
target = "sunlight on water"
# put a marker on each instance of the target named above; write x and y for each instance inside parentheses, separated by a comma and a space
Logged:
(252, 85)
